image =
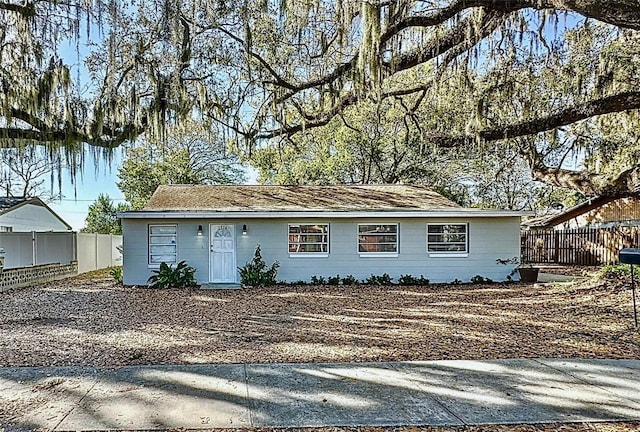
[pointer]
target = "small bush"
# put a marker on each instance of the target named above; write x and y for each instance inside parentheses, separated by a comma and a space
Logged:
(333, 280)
(256, 272)
(116, 273)
(182, 276)
(412, 280)
(616, 271)
(456, 281)
(384, 279)
(477, 279)
(349, 280)
(318, 280)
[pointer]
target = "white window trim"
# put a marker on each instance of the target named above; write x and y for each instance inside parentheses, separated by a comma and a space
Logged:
(452, 254)
(448, 255)
(309, 254)
(395, 254)
(157, 265)
(378, 254)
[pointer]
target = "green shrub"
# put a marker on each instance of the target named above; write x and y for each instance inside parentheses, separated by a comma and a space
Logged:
(318, 280)
(477, 279)
(256, 272)
(333, 280)
(116, 273)
(616, 271)
(456, 281)
(349, 280)
(412, 280)
(182, 276)
(384, 279)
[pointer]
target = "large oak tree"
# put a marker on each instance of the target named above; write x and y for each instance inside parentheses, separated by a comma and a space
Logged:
(266, 71)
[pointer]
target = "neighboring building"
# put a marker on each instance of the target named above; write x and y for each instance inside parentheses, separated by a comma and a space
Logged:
(29, 214)
(317, 230)
(598, 212)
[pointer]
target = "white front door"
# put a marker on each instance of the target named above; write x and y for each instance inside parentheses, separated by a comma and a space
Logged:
(222, 258)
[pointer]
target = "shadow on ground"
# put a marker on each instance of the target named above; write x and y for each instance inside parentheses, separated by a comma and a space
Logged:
(311, 395)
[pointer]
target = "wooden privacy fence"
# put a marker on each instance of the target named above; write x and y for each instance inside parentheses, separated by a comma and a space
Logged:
(582, 246)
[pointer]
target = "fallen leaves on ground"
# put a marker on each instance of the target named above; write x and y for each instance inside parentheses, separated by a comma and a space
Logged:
(92, 321)
(96, 322)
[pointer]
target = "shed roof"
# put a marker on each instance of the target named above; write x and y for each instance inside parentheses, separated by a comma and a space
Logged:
(251, 198)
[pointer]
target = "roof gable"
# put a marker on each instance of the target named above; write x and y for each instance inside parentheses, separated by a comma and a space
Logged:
(8, 204)
(248, 198)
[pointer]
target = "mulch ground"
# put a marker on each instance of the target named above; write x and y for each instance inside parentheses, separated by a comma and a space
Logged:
(569, 270)
(84, 321)
(91, 320)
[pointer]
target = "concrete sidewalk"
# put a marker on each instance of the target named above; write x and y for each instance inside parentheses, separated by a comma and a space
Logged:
(307, 395)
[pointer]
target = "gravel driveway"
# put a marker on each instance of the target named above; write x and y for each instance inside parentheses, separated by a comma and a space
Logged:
(84, 321)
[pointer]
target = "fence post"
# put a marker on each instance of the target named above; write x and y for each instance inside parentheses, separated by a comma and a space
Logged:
(74, 246)
(556, 246)
(34, 248)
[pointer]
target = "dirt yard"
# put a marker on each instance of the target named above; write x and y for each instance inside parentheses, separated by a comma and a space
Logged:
(84, 321)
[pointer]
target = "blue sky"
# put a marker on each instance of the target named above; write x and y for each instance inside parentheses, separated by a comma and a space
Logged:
(95, 179)
(92, 181)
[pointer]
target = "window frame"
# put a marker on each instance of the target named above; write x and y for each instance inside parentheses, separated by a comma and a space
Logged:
(305, 254)
(150, 244)
(448, 254)
(377, 254)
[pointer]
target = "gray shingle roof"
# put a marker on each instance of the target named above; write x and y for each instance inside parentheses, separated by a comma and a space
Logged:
(9, 202)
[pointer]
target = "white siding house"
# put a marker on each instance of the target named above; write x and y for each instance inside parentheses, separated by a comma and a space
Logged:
(29, 214)
(317, 230)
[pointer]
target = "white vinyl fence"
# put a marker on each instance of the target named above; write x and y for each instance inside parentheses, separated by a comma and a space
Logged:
(92, 251)
(26, 249)
(97, 251)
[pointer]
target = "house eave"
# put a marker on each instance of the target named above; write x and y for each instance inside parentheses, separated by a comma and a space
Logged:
(436, 213)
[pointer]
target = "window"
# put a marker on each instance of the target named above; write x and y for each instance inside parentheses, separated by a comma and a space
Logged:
(377, 238)
(309, 239)
(447, 238)
(163, 244)
(6, 228)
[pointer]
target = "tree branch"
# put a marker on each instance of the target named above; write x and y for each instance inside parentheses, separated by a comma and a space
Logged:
(606, 105)
(446, 13)
(460, 35)
(10, 137)
(621, 13)
(27, 10)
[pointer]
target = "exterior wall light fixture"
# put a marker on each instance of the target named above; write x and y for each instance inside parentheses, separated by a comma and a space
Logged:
(199, 230)
(244, 229)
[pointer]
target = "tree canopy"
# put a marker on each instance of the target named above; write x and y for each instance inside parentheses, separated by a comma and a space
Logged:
(555, 80)
(186, 159)
(102, 217)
